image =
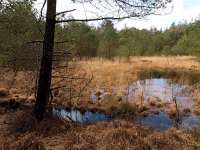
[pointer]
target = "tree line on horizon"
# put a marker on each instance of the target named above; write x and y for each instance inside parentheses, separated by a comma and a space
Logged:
(22, 30)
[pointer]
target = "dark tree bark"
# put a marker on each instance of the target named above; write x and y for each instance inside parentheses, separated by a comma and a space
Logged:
(44, 83)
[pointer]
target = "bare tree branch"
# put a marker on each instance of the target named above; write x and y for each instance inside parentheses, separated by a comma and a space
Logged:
(93, 19)
(42, 10)
(63, 12)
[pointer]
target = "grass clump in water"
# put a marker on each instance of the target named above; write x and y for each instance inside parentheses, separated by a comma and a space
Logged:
(116, 106)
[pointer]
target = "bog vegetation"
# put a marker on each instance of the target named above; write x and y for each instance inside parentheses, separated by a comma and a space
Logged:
(93, 70)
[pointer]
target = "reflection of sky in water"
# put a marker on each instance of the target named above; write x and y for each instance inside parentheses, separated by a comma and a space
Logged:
(163, 122)
(155, 88)
(160, 121)
(189, 122)
(165, 90)
(161, 89)
(76, 115)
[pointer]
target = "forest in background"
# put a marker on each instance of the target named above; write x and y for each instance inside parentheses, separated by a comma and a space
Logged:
(21, 30)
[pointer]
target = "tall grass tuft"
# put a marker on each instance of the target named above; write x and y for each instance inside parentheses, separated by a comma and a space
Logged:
(184, 77)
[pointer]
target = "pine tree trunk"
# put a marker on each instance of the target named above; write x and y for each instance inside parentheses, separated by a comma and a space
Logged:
(44, 83)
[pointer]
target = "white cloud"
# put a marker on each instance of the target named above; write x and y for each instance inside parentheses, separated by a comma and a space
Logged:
(178, 14)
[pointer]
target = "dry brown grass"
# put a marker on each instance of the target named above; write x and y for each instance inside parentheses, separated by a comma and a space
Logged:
(119, 134)
(107, 75)
(20, 130)
(120, 72)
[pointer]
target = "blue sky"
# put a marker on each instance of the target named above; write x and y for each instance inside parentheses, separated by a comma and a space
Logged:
(182, 10)
(190, 3)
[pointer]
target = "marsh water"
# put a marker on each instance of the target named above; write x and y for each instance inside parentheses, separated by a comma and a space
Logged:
(86, 117)
(166, 91)
(162, 89)
(162, 121)
(155, 89)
